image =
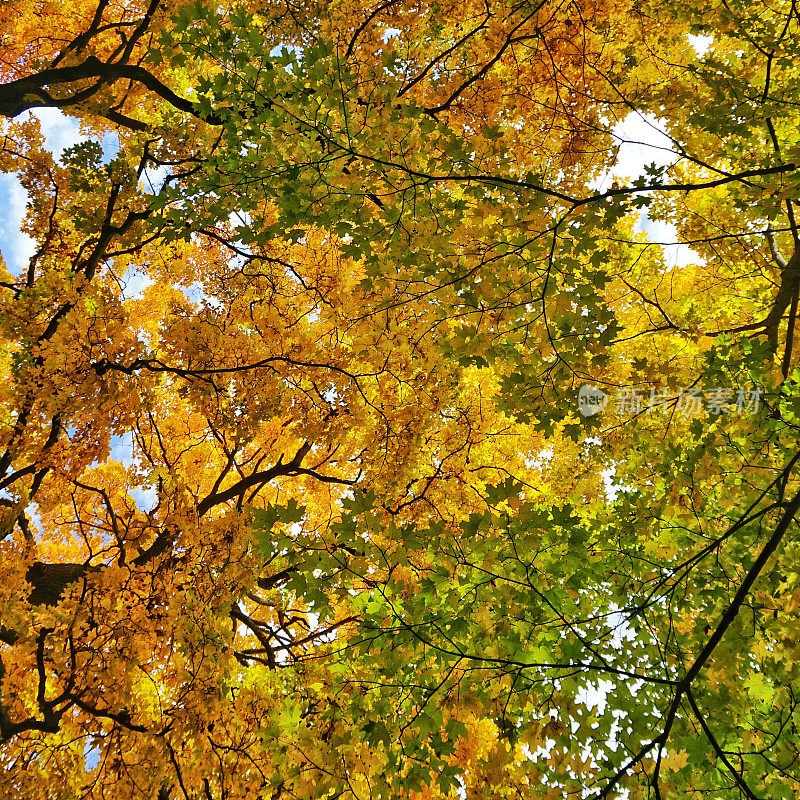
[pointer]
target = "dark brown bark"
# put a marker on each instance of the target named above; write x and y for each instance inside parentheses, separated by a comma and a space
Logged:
(790, 282)
(50, 580)
(33, 90)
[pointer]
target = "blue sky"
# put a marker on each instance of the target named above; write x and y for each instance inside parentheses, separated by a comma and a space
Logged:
(60, 132)
(642, 143)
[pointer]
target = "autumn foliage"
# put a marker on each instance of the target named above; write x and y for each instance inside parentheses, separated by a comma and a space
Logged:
(299, 497)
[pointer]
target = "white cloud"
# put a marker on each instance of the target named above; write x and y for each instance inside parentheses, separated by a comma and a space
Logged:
(134, 282)
(700, 44)
(122, 448)
(59, 130)
(643, 142)
(676, 254)
(153, 179)
(145, 499)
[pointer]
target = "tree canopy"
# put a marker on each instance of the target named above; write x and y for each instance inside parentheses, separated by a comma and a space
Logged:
(367, 432)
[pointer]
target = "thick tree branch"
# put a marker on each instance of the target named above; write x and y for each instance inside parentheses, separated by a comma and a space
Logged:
(32, 91)
(790, 282)
(240, 487)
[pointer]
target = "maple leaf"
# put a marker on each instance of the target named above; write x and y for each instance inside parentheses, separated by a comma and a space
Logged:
(297, 496)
